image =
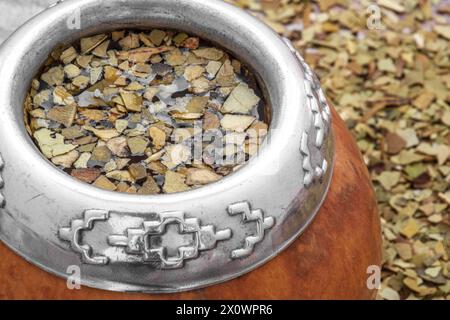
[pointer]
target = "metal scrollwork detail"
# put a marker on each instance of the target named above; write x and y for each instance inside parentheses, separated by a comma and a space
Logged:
(153, 242)
(249, 215)
(73, 234)
(310, 173)
(306, 165)
(318, 105)
(2, 183)
(137, 241)
(321, 117)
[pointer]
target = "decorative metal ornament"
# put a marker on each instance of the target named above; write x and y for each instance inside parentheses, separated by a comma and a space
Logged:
(249, 215)
(174, 242)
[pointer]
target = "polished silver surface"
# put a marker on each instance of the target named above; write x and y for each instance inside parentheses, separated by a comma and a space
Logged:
(13, 13)
(175, 242)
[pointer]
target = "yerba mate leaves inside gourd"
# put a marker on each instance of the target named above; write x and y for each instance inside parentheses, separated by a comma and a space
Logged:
(123, 111)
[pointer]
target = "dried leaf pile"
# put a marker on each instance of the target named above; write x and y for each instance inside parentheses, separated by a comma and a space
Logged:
(388, 74)
(132, 112)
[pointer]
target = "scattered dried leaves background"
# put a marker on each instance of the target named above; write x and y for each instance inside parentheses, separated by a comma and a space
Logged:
(388, 74)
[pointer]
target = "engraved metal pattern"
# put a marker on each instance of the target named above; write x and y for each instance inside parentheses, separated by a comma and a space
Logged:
(310, 173)
(321, 118)
(138, 241)
(249, 215)
(74, 234)
(318, 105)
(307, 166)
(2, 183)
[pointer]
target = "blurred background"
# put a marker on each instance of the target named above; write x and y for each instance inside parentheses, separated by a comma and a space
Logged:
(385, 64)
